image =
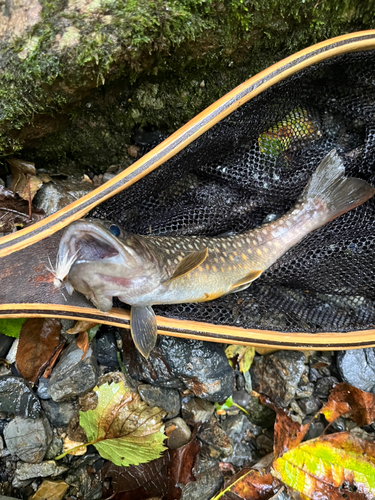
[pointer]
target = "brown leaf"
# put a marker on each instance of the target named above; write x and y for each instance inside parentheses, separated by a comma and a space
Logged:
(52, 361)
(157, 478)
(38, 340)
(51, 490)
(24, 179)
(287, 433)
(347, 399)
(250, 484)
(81, 326)
(83, 342)
(14, 212)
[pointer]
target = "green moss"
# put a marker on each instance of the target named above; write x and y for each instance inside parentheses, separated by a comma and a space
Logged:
(138, 62)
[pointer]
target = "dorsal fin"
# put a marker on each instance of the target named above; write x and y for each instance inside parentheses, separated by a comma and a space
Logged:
(253, 275)
(188, 264)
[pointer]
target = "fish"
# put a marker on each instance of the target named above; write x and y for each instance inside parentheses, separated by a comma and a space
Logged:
(101, 260)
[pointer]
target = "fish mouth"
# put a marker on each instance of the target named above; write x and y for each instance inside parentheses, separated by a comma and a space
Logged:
(88, 241)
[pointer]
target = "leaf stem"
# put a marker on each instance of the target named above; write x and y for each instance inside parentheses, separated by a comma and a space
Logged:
(73, 449)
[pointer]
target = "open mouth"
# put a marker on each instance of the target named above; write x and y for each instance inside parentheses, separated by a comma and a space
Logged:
(89, 247)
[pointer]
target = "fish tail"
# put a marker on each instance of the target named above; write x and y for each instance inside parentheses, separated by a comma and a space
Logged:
(329, 186)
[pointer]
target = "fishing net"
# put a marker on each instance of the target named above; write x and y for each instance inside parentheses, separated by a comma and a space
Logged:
(250, 168)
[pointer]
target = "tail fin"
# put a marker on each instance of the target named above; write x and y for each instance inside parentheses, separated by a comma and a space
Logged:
(339, 193)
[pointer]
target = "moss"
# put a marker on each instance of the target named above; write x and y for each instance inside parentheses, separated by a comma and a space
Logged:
(138, 62)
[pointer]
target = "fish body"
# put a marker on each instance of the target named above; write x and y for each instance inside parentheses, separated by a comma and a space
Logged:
(142, 271)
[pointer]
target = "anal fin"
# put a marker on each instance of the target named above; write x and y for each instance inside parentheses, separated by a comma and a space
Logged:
(143, 328)
(245, 281)
(188, 264)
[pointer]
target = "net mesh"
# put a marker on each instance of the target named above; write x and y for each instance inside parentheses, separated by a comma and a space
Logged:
(250, 168)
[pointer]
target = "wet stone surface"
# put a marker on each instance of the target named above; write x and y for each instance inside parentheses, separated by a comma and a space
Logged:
(28, 438)
(73, 376)
(59, 414)
(216, 439)
(357, 367)
(178, 433)
(167, 399)
(241, 433)
(17, 397)
(278, 375)
(196, 410)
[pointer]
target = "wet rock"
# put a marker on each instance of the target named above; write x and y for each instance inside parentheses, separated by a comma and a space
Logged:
(167, 399)
(314, 375)
(202, 366)
(258, 414)
(12, 353)
(207, 483)
(196, 410)
(309, 405)
(49, 488)
(324, 386)
(216, 439)
(315, 430)
(357, 368)
(264, 444)
(17, 398)
(5, 345)
(73, 376)
(278, 375)
(241, 433)
(58, 193)
(59, 414)
(28, 438)
(178, 433)
(42, 391)
(199, 366)
(26, 471)
(107, 349)
(54, 449)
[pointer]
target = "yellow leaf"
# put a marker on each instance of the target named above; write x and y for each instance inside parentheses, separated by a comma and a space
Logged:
(245, 355)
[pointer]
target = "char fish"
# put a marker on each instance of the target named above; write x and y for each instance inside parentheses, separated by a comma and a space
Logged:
(101, 260)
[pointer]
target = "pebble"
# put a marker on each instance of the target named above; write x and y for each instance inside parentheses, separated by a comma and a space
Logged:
(309, 405)
(73, 376)
(216, 439)
(207, 483)
(17, 398)
(277, 375)
(59, 414)
(241, 433)
(178, 433)
(167, 399)
(107, 349)
(28, 438)
(196, 410)
(49, 488)
(357, 368)
(264, 444)
(48, 468)
(54, 449)
(316, 429)
(59, 193)
(258, 414)
(324, 386)
(201, 367)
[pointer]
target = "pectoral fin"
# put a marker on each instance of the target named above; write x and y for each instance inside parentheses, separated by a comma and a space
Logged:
(143, 328)
(188, 264)
(246, 280)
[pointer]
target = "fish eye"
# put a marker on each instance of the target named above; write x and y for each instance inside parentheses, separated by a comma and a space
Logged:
(115, 230)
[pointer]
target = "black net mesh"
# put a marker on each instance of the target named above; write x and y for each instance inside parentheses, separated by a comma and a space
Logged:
(251, 167)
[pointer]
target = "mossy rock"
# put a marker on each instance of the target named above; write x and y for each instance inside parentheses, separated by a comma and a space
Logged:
(78, 76)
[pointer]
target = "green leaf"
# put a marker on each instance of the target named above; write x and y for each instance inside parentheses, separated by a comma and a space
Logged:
(316, 468)
(245, 356)
(123, 428)
(11, 326)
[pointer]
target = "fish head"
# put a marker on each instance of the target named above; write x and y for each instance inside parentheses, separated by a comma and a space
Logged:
(103, 261)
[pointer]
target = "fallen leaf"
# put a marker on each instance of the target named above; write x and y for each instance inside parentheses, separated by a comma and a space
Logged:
(11, 326)
(160, 477)
(51, 490)
(329, 467)
(25, 182)
(123, 428)
(345, 398)
(249, 484)
(52, 361)
(39, 337)
(83, 342)
(75, 448)
(245, 356)
(14, 212)
(81, 326)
